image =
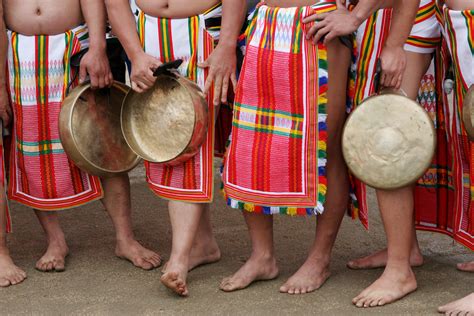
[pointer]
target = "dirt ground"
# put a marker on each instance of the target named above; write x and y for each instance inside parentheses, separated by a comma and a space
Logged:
(96, 282)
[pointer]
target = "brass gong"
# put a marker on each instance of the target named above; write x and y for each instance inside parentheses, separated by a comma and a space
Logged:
(90, 131)
(388, 141)
(167, 123)
(468, 113)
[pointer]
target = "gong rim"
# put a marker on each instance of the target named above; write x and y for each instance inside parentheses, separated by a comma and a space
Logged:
(468, 113)
(354, 157)
(132, 134)
(70, 142)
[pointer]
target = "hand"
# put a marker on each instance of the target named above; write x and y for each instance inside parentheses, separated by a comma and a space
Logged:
(96, 64)
(143, 66)
(5, 109)
(333, 24)
(222, 64)
(394, 61)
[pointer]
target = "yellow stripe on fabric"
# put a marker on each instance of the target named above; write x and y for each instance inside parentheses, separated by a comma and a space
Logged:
(260, 112)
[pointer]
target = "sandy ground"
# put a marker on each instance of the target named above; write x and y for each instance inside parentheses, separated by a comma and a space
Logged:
(96, 282)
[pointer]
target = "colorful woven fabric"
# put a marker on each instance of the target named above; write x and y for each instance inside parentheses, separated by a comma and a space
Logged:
(425, 35)
(459, 34)
(186, 39)
(276, 161)
(41, 175)
(370, 39)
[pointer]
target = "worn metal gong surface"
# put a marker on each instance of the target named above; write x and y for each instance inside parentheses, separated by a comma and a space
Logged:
(90, 131)
(167, 123)
(388, 141)
(468, 113)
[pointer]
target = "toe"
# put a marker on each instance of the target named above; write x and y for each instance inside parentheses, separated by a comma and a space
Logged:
(143, 264)
(60, 267)
(283, 289)
(49, 266)
(4, 282)
(297, 291)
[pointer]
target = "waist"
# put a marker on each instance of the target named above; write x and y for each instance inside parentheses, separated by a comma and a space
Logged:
(53, 21)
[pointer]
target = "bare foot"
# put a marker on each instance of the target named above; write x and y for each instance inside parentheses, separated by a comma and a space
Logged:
(140, 256)
(467, 266)
(54, 259)
(379, 260)
(309, 277)
(201, 255)
(391, 286)
(463, 306)
(255, 269)
(175, 279)
(10, 274)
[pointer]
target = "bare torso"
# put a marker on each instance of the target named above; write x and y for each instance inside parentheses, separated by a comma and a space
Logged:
(175, 8)
(460, 4)
(48, 17)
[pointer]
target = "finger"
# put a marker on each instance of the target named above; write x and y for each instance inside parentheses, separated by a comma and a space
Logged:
(217, 89)
(399, 82)
(233, 78)
(94, 81)
(82, 73)
(142, 85)
(149, 78)
(314, 17)
(314, 29)
(321, 33)
(101, 82)
(225, 89)
(330, 36)
(208, 84)
(136, 88)
(204, 64)
(111, 79)
(393, 81)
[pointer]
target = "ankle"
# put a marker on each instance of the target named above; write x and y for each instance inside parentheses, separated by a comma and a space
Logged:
(263, 255)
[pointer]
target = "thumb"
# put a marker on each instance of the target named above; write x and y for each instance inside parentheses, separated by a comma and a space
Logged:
(204, 64)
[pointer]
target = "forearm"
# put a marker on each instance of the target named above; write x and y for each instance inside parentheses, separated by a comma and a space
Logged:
(404, 14)
(3, 47)
(95, 17)
(124, 27)
(233, 15)
(365, 8)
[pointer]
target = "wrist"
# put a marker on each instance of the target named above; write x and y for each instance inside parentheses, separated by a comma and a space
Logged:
(97, 46)
(227, 44)
(394, 44)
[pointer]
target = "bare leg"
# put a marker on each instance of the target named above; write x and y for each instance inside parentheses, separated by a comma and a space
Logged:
(262, 263)
(117, 203)
(185, 219)
(466, 266)
(315, 271)
(10, 274)
(463, 306)
(205, 249)
(396, 208)
(54, 258)
(379, 258)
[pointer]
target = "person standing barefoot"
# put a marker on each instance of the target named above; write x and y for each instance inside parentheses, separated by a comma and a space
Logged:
(276, 161)
(405, 70)
(10, 274)
(41, 175)
(187, 27)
